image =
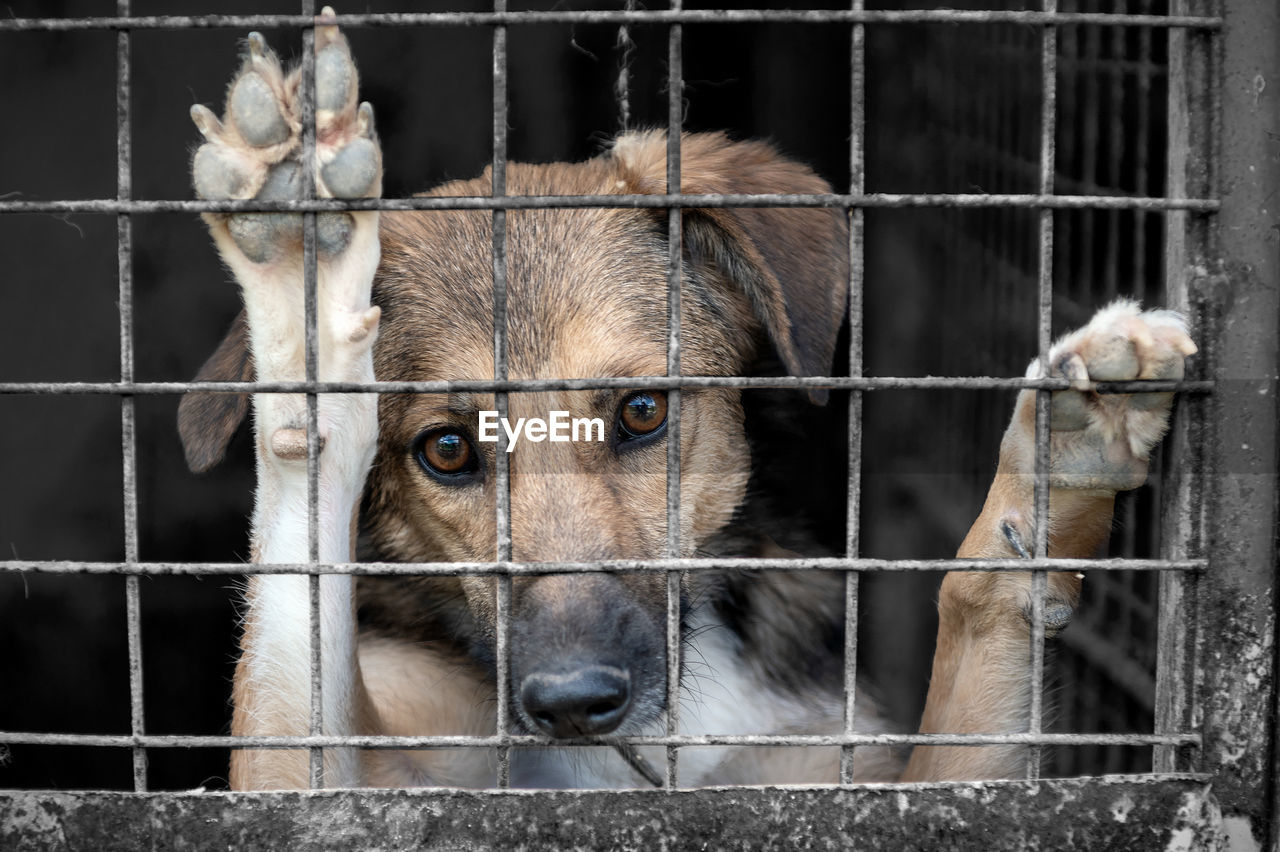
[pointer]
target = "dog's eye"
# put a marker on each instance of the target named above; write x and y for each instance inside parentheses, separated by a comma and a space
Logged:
(642, 415)
(447, 455)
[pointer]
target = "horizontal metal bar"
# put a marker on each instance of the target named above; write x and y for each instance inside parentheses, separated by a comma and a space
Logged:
(625, 566)
(619, 382)
(620, 16)
(532, 741)
(681, 200)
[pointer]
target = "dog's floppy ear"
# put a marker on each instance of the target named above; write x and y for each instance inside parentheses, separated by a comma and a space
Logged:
(793, 264)
(208, 421)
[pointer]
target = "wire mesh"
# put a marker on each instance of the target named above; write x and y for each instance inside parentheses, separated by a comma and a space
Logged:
(1060, 203)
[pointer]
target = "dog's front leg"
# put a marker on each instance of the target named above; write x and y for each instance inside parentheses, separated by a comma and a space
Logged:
(255, 151)
(1099, 444)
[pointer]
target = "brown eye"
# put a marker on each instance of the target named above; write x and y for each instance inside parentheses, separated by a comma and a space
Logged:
(447, 455)
(642, 415)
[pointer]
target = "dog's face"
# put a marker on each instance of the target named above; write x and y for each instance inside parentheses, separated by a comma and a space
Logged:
(587, 297)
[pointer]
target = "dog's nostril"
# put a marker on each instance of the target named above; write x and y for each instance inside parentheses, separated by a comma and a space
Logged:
(589, 701)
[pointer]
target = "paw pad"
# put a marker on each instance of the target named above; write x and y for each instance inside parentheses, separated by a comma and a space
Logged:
(253, 108)
(353, 170)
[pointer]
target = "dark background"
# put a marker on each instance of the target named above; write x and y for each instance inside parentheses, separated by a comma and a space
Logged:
(949, 109)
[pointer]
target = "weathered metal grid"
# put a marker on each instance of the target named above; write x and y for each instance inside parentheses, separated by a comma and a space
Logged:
(1045, 202)
(1110, 139)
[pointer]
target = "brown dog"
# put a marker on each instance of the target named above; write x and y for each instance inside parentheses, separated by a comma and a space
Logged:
(587, 297)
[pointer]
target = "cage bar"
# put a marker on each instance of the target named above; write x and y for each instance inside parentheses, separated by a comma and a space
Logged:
(1048, 168)
(535, 741)
(556, 202)
(853, 485)
(312, 343)
(128, 413)
(621, 566)
(654, 382)
(674, 15)
(675, 263)
(502, 462)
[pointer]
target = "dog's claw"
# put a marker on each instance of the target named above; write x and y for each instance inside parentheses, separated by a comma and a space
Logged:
(205, 121)
(329, 33)
(364, 120)
(257, 44)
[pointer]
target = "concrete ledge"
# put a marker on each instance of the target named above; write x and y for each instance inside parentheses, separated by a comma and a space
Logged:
(1129, 813)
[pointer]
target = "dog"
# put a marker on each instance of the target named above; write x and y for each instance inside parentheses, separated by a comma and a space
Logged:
(408, 296)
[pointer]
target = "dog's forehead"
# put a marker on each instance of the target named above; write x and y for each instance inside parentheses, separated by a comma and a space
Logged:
(579, 287)
(586, 288)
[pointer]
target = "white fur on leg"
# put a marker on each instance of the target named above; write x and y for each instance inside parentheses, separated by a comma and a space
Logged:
(277, 660)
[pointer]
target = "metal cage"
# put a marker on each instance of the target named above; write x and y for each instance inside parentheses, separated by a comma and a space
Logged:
(1072, 152)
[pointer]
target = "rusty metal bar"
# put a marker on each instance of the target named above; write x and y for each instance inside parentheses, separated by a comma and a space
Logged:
(653, 382)
(853, 485)
(312, 354)
(128, 413)
(562, 202)
(502, 460)
(1116, 144)
(675, 264)
(520, 569)
(534, 741)
(621, 16)
(622, 86)
(1040, 512)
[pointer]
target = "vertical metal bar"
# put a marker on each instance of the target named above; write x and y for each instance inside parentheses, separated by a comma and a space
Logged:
(675, 260)
(128, 415)
(1117, 127)
(1048, 130)
(1088, 117)
(857, 184)
(622, 87)
(1142, 179)
(502, 468)
(310, 307)
(1069, 258)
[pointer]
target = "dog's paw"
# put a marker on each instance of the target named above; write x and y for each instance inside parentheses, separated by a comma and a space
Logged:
(255, 150)
(1102, 441)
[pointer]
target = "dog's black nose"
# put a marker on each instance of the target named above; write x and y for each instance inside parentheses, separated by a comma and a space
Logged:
(583, 702)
